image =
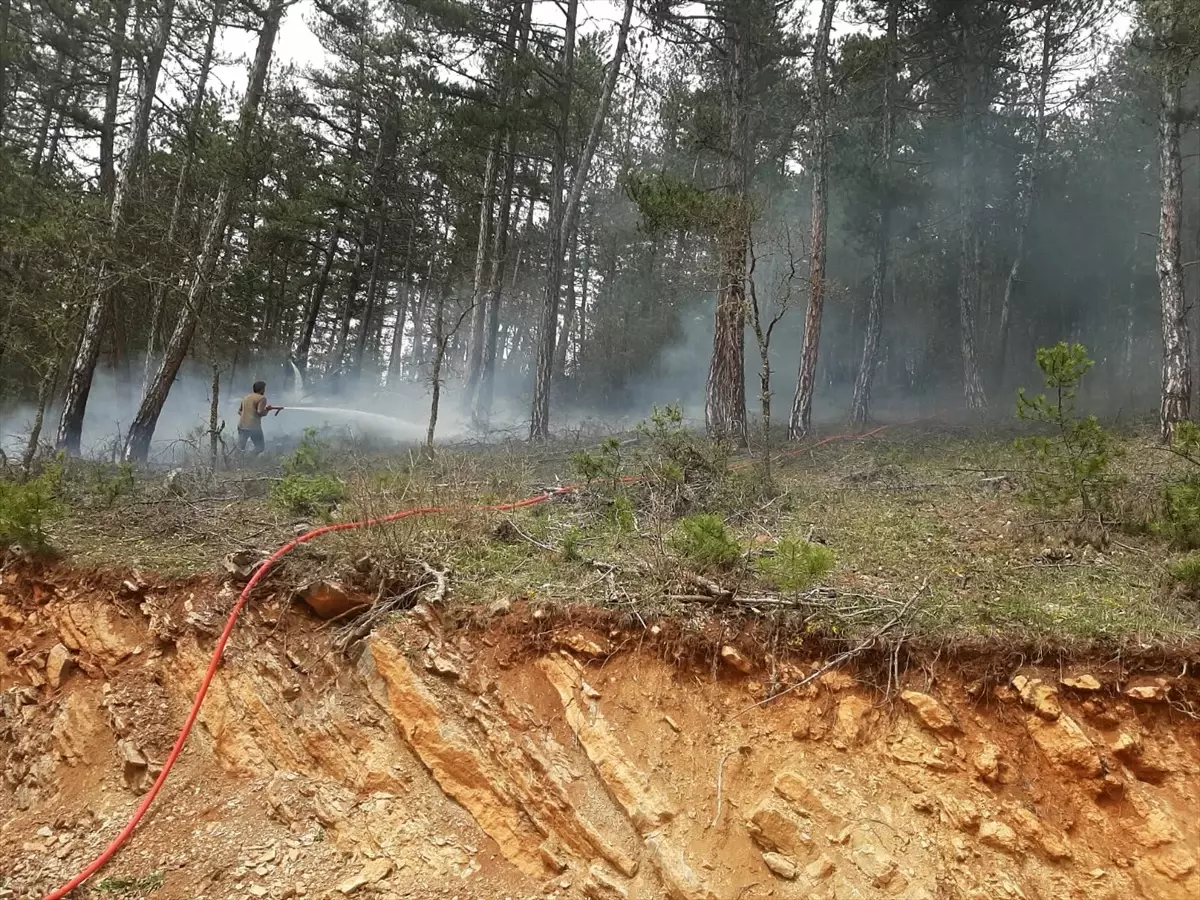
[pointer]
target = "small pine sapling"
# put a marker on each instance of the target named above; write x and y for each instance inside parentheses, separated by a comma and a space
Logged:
(602, 465)
(795, 565)
(27, 508)
(1181, 496)
(1071, 464)
(704, 540)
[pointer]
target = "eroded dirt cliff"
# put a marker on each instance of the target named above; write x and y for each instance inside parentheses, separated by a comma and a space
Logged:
(520, 758)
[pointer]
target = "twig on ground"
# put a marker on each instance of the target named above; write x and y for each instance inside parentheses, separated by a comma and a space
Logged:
(707, 585)
(530, 539)
(720, 774)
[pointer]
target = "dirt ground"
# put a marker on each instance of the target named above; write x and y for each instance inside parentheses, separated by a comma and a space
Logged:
(528, 755)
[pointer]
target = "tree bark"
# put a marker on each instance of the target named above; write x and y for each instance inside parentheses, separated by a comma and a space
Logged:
(397, 354)
(539, 421)
(5, 15)
(99, 314)
(1029, 191)
(439, 352)
(486, 216)
(304, 346)
(581, 329)
(373, 280)
(441, 230)
(725, 402)
(1176, 364)
(564, 337)
(354, 282)
(801, 419)
(971, 242)
(45, 389)
(141, 431)
(214, 407)
(861, 405)
(506, 77)
(129, 176)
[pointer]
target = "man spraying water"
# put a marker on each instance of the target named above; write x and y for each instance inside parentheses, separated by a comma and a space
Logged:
(250, 415)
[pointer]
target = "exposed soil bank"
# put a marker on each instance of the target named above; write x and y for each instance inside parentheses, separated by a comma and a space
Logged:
(441, 763)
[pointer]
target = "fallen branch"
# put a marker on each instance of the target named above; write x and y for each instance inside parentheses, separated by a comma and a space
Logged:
(720, 773)
(707, 585)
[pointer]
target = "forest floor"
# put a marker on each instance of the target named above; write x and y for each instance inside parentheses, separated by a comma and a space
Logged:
(573, 701)
(932, 518)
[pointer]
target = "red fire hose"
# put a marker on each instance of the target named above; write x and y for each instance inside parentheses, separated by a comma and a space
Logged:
(257, 577)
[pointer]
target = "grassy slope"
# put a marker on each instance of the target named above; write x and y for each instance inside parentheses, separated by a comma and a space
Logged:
(926, 517)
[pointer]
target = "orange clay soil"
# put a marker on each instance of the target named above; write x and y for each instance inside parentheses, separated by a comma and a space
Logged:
(530, 757)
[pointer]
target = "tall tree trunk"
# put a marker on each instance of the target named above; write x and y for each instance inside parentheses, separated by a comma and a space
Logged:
(585, 283)
(539, 422)
(354, 282)
(420, 339)
(1029, 191)
(130, 175)
(725, 404)
(481, 401)
(1176, 365)
(141, 431)
(974, 106)
(214, 408)
(861, 406)
(5, 15)
(108, 125)
(435, 375)
(313, 315)
(337, 359)
(51, 109)
(373, 281)
(147, 90)
(801, 420)
(45, 389)
(304, 346)
(568, 327)
(83, 367)
(403, 291)
(539, 428)
(419, 342)
(159, 293)
(479, 311)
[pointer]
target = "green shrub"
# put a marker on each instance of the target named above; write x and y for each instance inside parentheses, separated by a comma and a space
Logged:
(1180, 522)
(110, 484)
(601, 465)
(1071, 465)
(26, 508)
(308, 495)
(146, 884)
(679, 469)
(570, 543)
(308, 487)
(311, 457)
(703, 539)
(795, 565)
(622, 514)
(1186, 570)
